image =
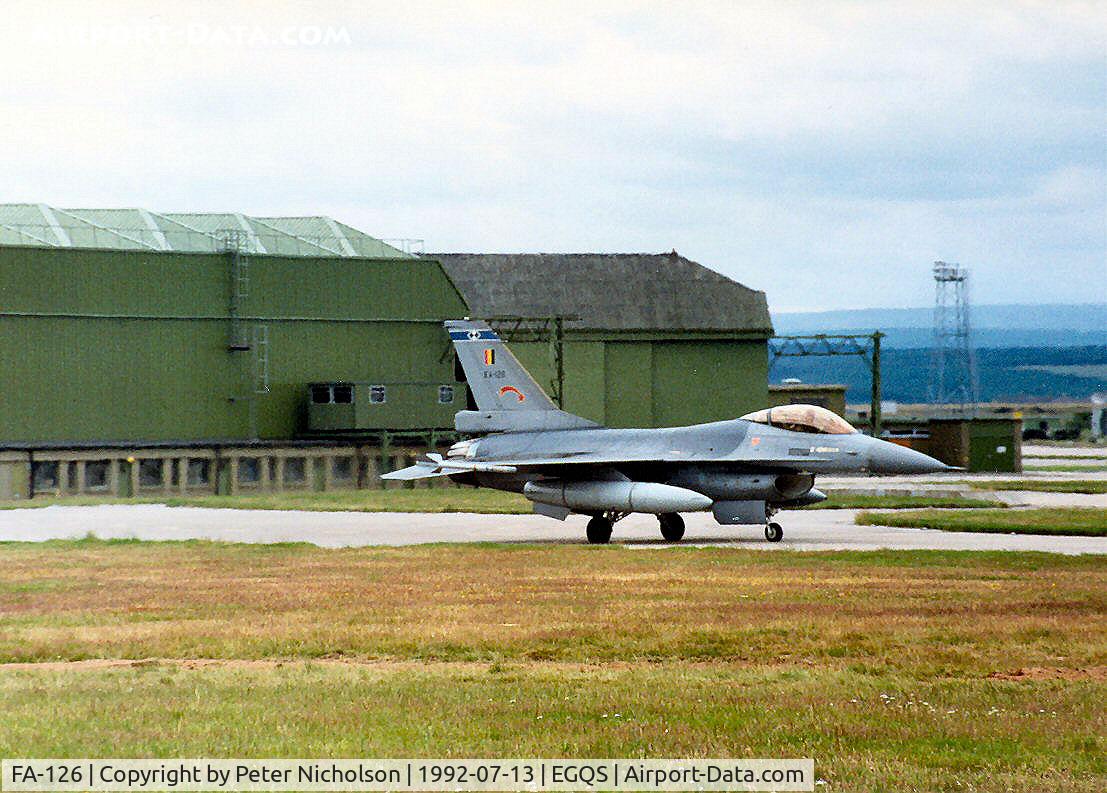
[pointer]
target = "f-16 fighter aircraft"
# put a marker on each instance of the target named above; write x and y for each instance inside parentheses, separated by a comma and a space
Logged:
(743, 470)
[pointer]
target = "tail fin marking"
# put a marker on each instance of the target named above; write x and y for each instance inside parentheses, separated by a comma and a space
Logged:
(496, 378)
(508, 399)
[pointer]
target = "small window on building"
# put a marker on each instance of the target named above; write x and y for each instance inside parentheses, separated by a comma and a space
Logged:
(343, 394)
(321, 394)
(149, 473)
(199, 473)
(249, 470)
(45, 475)
(71, 477)
(445, 394)
(342, 468)
(96, 475)
(295, 471)
(377, 395)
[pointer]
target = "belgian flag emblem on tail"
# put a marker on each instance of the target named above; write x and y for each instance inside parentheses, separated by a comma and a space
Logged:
(489, 357)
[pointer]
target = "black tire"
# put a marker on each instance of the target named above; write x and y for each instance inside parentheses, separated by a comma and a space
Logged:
(672, 526)
(599, 531)
(774, 532)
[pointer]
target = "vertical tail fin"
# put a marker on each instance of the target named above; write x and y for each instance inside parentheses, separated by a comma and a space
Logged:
(496, 378)
(508, 398)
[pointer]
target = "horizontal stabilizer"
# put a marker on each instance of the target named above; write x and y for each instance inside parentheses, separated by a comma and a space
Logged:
(437, 465)
(417, 471)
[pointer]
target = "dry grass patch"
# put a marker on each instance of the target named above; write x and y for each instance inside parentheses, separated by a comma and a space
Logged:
(922, 613)
(894, 670)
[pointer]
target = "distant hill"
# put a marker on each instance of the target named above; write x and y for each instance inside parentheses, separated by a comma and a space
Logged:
(1047, 325)
(1012, 374)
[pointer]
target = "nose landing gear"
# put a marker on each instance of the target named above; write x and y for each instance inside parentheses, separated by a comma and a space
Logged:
(774, 532)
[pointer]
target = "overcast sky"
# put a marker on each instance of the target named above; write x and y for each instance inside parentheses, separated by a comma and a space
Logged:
(823, 152)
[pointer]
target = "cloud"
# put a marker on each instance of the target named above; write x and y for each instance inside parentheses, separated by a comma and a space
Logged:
(842, 141)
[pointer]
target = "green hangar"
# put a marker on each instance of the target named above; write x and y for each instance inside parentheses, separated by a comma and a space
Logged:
(648, 340)
(126, 325)
(145, 351)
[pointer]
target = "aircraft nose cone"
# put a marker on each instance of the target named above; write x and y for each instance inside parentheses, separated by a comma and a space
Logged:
(891, 458)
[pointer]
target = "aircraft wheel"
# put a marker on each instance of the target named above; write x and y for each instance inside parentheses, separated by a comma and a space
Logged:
(774, 532)
(599, 531)
(672, 526)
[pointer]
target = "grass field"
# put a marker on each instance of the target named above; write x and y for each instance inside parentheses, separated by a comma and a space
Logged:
(894, 670)
(1089, 486)
(1069, 468)
(448, 499)
(857, 501)
(1085, 522)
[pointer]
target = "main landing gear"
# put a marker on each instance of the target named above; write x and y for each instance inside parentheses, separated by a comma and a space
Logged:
(599, 530)
(599, 527)
(672, 526)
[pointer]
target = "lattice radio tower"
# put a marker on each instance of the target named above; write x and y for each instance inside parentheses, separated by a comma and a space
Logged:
(953, 379)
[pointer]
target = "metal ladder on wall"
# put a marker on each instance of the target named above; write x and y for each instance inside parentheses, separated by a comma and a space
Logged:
(261, 359)
(233, 243)
(241, 337)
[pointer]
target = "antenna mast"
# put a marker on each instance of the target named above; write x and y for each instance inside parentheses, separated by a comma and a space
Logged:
(953, 378)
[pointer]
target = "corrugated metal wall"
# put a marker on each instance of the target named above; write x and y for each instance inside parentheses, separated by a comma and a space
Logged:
(101, 345)
(662, 381)
(131, 345)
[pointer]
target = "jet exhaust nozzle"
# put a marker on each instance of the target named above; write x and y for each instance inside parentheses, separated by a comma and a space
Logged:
(617, 496)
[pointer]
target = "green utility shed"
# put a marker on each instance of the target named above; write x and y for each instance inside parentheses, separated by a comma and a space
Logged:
(977, 444)
(648, 339)
(139, 327)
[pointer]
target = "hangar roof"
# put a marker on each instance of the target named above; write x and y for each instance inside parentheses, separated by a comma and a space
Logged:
(192, 232)
(608, 291)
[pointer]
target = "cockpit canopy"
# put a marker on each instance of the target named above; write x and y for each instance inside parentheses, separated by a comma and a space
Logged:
(802, 418)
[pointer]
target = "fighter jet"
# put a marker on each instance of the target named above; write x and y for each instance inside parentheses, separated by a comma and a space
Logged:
(743, 470)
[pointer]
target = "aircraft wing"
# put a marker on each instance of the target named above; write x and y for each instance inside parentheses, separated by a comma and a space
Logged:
(595, 458)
